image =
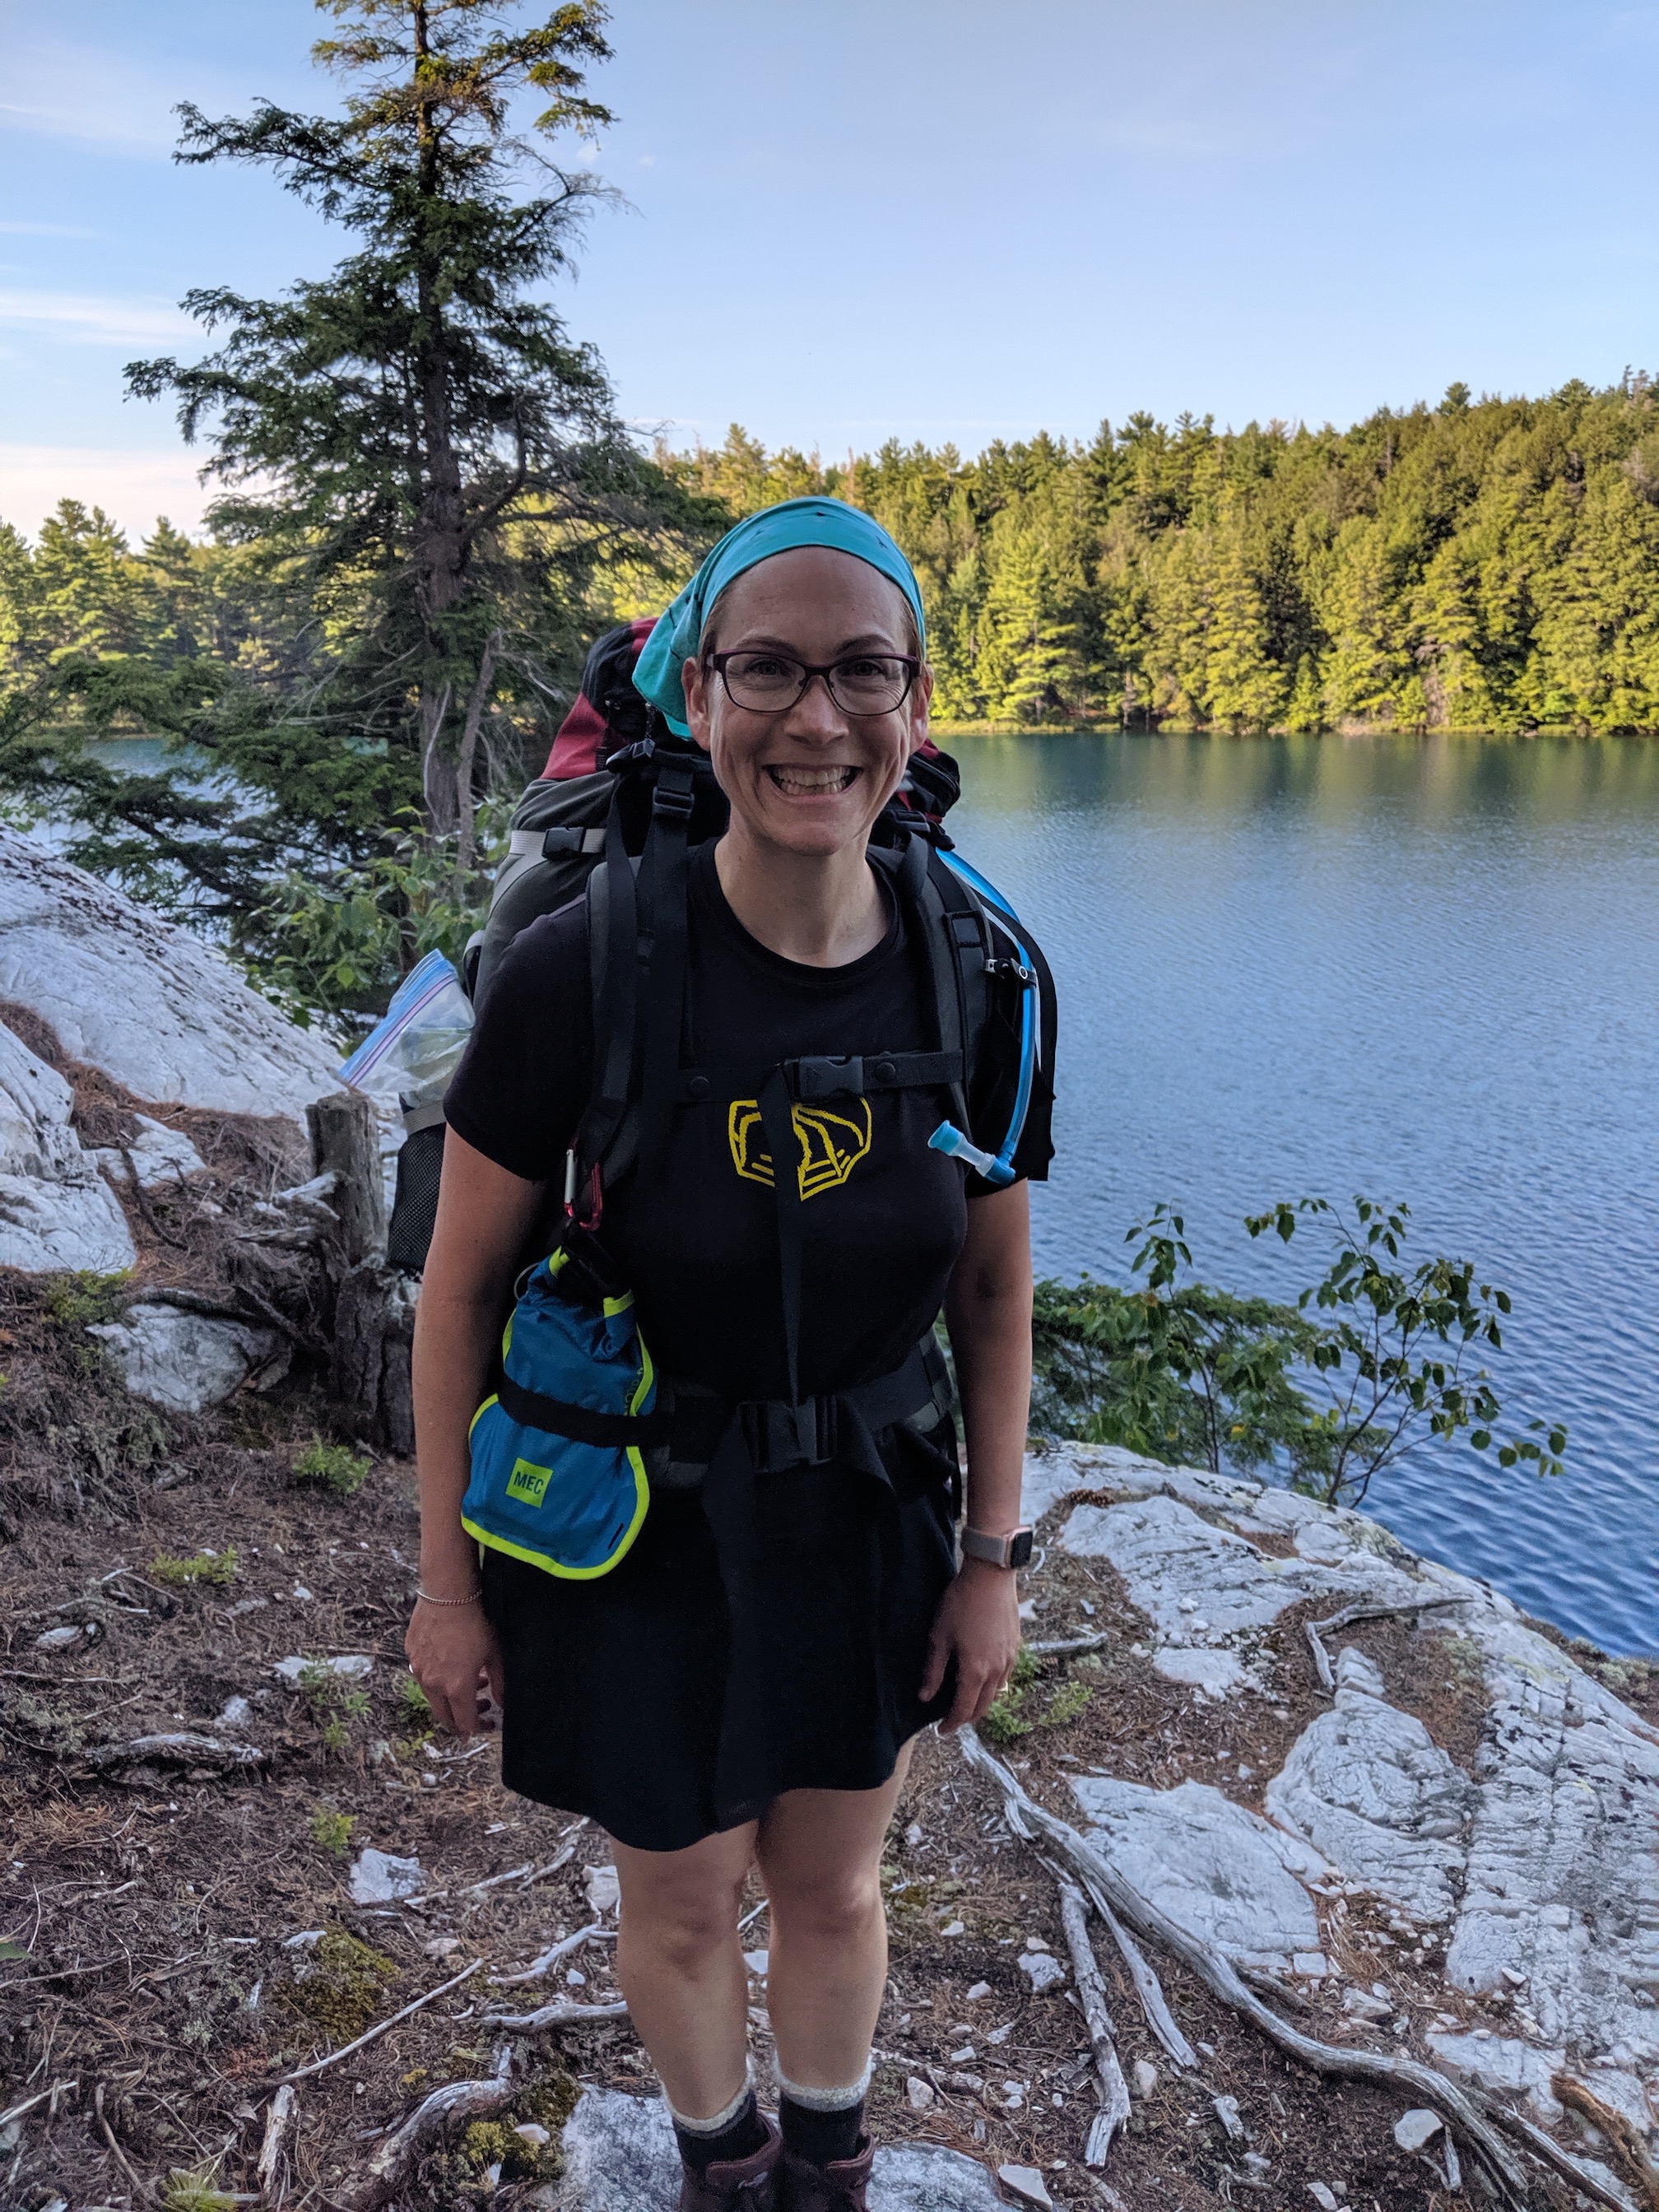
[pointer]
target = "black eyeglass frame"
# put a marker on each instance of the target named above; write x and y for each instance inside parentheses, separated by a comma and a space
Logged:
(911, 665)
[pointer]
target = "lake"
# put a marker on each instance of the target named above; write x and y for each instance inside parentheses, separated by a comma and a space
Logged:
(1423, 969)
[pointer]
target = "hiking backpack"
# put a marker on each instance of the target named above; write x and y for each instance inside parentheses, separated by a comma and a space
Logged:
(613, 815)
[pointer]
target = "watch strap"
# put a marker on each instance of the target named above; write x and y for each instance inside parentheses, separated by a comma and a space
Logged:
(1013, 1550)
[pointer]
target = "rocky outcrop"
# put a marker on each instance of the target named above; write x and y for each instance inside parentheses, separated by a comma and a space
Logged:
(1538, 1861)
(146, 1001)
(56, 1209)
(183, 1361)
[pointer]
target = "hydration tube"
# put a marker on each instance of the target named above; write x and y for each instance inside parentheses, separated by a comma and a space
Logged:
(998, 1170)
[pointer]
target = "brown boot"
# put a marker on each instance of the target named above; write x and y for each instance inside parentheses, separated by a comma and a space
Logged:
(839, 2187)
(738, 2184)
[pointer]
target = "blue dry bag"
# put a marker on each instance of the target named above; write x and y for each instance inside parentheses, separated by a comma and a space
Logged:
(558, 1472)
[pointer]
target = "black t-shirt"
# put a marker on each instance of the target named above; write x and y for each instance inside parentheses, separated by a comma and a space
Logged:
(694, 1232)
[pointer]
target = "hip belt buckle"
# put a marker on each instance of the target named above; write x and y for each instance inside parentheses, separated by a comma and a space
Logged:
(779, 1435)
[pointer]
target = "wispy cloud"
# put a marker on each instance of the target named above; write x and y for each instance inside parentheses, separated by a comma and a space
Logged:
(131, 487)
(123, 102)
(46, 230)
(87, 319)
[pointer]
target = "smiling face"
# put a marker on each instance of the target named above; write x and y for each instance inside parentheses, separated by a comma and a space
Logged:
(812, 779)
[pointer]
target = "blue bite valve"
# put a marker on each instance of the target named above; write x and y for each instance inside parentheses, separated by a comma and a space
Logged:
(949, 1139)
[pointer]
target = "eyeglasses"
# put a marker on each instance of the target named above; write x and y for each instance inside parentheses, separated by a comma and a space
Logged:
(771, 682)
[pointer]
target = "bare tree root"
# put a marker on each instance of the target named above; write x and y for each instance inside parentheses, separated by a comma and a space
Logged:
(1617, 2130)
(560, 2013)
(1476, 2117)
(1318, 1630)
(1103, 2033)
(455, 2101)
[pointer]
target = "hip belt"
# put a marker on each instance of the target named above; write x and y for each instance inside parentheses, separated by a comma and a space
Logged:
(681, 1436)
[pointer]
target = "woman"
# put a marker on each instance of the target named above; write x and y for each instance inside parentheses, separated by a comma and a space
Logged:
(709, 1724)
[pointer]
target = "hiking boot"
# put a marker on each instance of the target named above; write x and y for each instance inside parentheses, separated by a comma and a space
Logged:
(839, 2187)
(738, 2184)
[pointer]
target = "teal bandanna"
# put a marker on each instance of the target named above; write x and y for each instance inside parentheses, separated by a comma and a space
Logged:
(774, 530)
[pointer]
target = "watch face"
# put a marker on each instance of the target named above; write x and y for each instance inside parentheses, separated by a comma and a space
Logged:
(1019, 1548)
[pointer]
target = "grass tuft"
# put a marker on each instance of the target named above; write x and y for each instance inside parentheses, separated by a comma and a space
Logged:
(333, 1468)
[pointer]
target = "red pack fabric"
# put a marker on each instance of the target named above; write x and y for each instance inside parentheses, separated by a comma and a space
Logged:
(583, 738)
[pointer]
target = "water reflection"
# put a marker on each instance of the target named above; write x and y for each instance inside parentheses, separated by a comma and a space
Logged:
(1419, 969)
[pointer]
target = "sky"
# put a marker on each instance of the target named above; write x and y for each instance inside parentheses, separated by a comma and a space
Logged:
(842, 221)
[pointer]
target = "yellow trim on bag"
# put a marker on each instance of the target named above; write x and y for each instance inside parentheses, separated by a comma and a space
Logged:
(642, 1500)
(478, 1416)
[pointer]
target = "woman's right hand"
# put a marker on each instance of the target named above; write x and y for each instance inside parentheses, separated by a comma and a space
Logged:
(456, 1658)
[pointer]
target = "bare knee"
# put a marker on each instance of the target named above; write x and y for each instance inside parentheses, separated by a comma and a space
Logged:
(836, 1909)
(682, 1930)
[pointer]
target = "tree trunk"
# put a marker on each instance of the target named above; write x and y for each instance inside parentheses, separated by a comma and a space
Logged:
(372, 1324)
(466, 842)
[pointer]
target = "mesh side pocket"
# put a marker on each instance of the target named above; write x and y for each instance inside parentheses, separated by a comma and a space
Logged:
(414, 1201)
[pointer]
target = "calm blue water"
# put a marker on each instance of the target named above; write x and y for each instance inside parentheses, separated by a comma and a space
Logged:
(1423, 969)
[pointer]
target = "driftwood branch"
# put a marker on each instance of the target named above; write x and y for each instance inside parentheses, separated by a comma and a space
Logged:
(1318, 1630)
(1617, 2130)
(540, 1967)
(319, 2065)
(1473, 2117)
(272, 2172)
(193, 1752)
(1103, 2035)
(560, 2013)
(455, 2101)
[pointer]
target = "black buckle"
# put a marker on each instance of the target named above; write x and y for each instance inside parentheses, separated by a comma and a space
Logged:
(779, 1436)
(824, 1077)
(675, 800)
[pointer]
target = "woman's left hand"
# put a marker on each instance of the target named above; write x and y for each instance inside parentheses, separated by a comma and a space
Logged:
(978, 1624)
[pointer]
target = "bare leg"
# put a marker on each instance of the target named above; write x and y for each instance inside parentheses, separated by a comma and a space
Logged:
(680, 1965)
(820, 1855)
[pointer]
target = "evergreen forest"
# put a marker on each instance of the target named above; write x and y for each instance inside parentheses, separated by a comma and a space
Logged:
(1482, 565)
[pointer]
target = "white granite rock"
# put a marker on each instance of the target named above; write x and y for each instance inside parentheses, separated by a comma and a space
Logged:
(1214, 1675)
(1215, 1868)
(1368, 1787)
(1494, 2062)
(1182, 1571)
(145, 1000)
(620, 2157)
(383, 1878)
(1543, 1860)
(185, 1361)
(159, 1154)
(1563, 1880)
(56, 1210)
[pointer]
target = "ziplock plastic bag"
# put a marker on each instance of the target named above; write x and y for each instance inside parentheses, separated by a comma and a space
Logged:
(420, 1037)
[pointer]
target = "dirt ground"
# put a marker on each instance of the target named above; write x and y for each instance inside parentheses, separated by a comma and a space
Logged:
(176, 1927)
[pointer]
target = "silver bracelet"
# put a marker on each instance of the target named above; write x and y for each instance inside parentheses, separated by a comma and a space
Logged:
(477, 1598)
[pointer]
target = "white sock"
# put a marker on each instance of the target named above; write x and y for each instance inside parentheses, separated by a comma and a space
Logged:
(826, 2101)
(718, 2124)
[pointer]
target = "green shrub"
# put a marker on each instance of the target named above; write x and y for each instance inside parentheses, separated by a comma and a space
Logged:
(73, 1300)
(330, 1829)
(333, 1468)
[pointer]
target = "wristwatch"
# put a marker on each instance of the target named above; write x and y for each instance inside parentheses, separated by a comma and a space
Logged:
(1013, 1550)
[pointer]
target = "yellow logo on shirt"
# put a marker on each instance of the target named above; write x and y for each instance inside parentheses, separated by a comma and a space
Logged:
(832, 1140)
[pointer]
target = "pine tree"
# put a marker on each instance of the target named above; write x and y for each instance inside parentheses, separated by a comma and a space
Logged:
(422, 468)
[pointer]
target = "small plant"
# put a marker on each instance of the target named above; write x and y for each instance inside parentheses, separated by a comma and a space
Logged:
(73, 1300)
(336, 1700)
(1005, 1723)
(331, 1829)
(195, 2189)
(214, 1570)
(1327, 1392)
(333, 1468)
(1068, 1703)
(414, 1706)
